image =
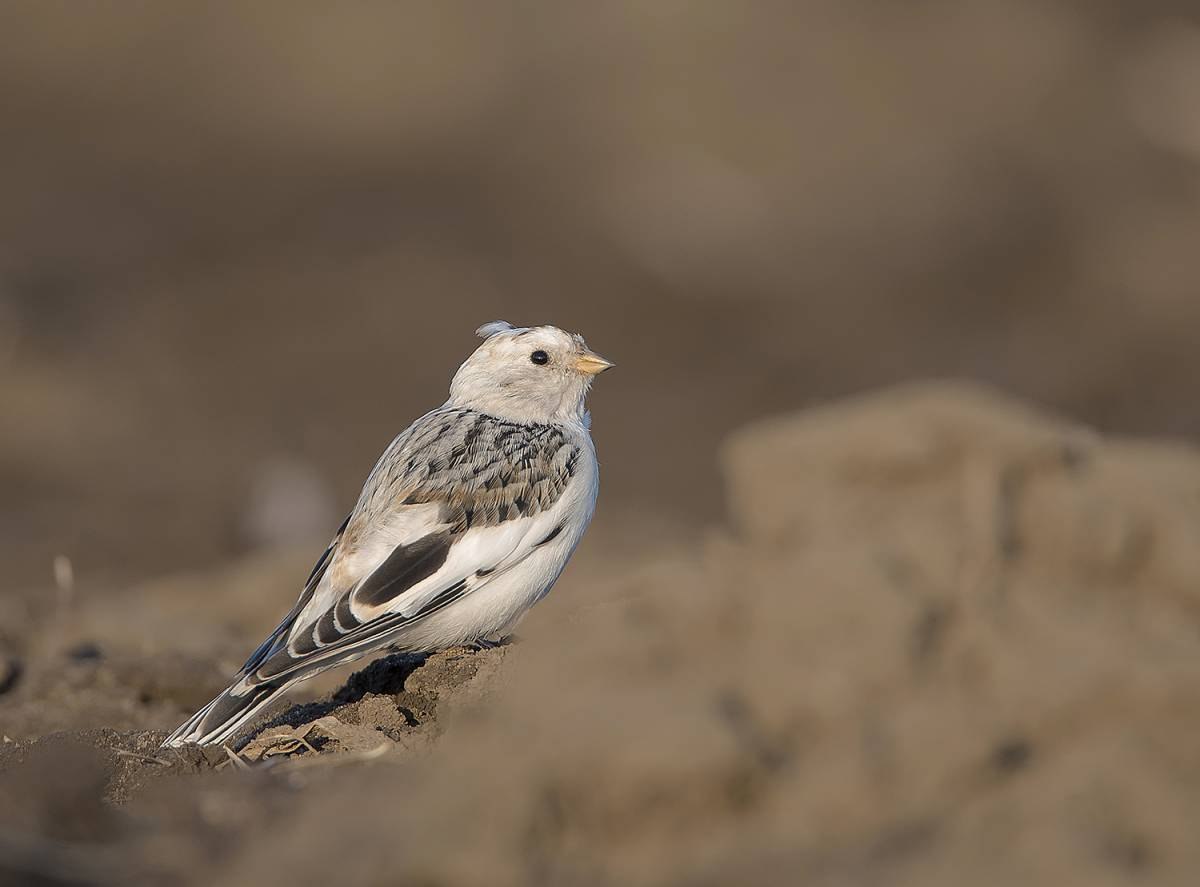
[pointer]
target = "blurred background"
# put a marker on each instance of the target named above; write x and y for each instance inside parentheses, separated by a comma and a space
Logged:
(242, 247)
(254, 244)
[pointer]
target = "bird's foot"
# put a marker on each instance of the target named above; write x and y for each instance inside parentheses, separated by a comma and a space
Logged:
(480, 644)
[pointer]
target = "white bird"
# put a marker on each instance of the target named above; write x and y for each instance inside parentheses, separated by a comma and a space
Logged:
(464, 524)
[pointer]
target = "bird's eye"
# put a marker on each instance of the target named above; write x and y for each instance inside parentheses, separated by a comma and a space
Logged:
(541, 358)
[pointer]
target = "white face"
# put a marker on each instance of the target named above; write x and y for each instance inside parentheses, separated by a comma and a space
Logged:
(534, 374)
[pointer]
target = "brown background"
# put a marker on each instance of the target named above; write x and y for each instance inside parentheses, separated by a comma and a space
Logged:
(226, 240)
(239, 251)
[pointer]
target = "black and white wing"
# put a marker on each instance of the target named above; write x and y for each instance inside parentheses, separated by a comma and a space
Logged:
(457, 500)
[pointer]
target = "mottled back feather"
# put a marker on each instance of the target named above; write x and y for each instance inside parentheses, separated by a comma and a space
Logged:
(481, 470)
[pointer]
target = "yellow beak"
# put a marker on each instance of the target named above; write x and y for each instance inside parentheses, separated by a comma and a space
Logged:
(592, 364)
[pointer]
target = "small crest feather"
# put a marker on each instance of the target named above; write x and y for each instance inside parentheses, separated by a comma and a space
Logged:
(496, 326)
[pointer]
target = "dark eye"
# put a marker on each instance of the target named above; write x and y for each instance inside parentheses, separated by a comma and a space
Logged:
(541, 358)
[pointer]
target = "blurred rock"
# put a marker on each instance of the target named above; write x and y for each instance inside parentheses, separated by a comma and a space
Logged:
(824, 471)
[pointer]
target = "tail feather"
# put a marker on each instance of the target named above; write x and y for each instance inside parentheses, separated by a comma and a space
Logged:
(218, 721)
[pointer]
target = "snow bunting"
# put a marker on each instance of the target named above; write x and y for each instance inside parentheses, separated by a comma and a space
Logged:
(464, 524)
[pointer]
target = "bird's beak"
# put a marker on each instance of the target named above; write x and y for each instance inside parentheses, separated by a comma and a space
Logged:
(591, 364)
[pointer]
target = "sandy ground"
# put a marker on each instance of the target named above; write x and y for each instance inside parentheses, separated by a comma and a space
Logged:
(940, 638)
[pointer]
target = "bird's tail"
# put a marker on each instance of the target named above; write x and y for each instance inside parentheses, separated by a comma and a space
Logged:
(218, 721)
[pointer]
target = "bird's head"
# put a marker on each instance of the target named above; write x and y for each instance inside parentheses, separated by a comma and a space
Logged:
(528, 374)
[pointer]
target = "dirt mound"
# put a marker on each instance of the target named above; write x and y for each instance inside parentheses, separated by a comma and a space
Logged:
(945, 639)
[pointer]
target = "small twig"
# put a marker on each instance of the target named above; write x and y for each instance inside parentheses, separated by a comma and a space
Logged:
(235, 758)
(306, 744)
(64, 581)
(285, 746)
(147, 758)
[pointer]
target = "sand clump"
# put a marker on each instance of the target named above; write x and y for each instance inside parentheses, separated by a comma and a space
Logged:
(943, 639)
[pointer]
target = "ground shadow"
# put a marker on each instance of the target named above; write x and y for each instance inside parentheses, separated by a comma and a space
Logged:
(383, 676)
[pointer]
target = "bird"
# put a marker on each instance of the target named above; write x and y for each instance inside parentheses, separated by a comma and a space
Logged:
(466, 521)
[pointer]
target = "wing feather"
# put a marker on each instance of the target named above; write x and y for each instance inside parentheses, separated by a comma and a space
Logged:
(283, 664)
(405, 567)
(310, 586)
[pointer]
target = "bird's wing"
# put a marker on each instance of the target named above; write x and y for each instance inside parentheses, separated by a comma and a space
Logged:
(310, 586)
(458, 498)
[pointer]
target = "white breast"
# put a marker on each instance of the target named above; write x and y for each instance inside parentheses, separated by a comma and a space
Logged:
(504, 596)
